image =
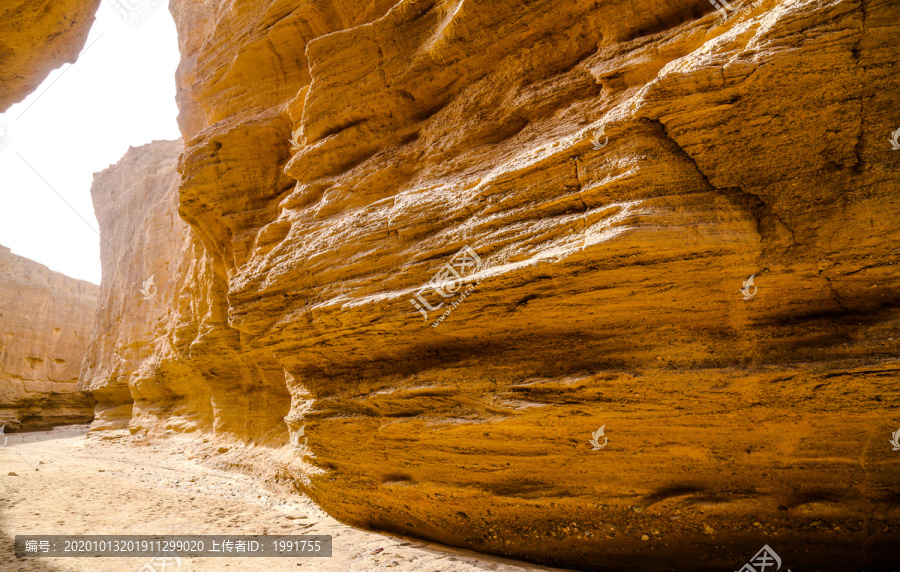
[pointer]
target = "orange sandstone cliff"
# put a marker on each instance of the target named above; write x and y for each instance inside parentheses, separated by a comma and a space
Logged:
(161, 353)
(45, 322)
(588, 186)
(36, 37)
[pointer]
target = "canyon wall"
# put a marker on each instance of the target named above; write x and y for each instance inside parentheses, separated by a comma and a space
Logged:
(589, 189)
(45, 322)
(162, 356)
(36, 37)
(136, 204)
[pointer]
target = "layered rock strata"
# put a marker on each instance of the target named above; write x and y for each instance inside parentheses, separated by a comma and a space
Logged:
(161, 355)
(37, 37)
(45, 322)
(610, 175)
(136, 205)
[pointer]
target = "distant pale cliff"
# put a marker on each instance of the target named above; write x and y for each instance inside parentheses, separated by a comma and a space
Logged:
(45, 323)
(162, 356)
(136, 204)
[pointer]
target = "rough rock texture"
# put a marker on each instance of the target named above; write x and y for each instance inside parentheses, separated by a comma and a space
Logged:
(608, 286)
(45, 320)
(136, 204)
(36, 37)
(157, 349)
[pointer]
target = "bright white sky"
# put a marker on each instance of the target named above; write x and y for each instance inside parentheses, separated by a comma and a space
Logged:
(82, 119)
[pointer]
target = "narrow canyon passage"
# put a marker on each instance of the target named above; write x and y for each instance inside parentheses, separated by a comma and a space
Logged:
(604, 285)
(99, 484)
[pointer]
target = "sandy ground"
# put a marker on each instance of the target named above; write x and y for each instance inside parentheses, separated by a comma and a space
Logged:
(69, 482)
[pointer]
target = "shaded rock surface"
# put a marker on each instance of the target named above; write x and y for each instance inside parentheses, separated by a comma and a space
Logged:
(37, 37)
(620, 171)
(45, 321)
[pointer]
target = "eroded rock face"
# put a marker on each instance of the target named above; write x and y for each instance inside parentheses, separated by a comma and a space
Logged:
(620, 170)
(45, 322)
(37, 37)
(162, 356)
(136, 204)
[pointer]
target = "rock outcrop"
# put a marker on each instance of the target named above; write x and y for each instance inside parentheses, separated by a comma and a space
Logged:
(586, 187)
(162, 356)
(136, 204)
(37, 37)
(45, 321)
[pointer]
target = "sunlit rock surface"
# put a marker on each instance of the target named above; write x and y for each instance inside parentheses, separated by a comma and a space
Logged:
(45, 321)
(620, 170)
(36, 37)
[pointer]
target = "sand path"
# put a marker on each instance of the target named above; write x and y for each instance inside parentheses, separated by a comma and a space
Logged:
(102, 484)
